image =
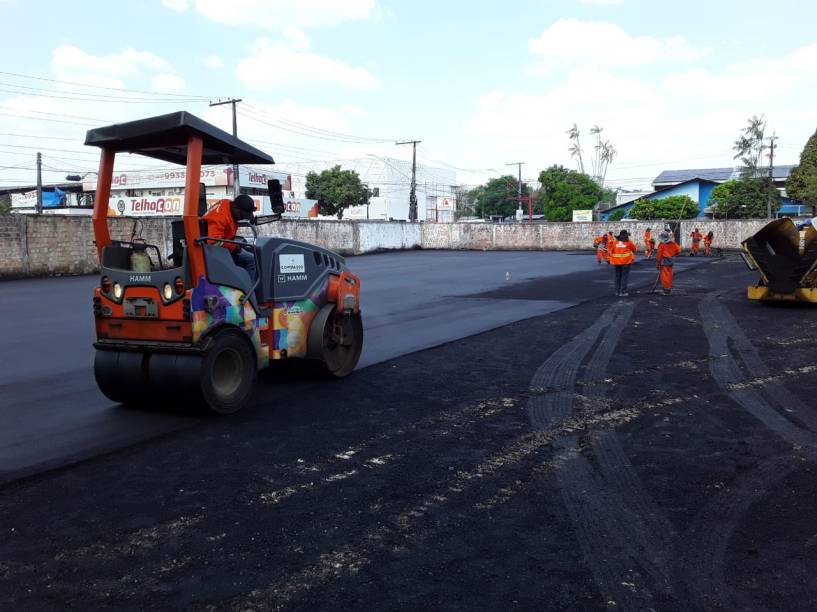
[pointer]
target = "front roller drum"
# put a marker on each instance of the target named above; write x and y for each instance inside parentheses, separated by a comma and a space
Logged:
(122, 376)
(221, 379)
(336, 339)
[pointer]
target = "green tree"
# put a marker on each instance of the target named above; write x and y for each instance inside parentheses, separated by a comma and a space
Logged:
(743, 199)
(802, 182)
(671, 207)
(498, 196)
(564, 191)
(336, 190)
(617, 215)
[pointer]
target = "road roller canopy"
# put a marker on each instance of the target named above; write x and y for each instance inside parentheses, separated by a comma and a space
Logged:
(165, 137)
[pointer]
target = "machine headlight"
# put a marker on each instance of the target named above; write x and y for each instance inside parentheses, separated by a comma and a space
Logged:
(167, 292)
(117, 291)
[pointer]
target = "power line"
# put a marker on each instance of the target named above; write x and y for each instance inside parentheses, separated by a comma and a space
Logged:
(141, 91)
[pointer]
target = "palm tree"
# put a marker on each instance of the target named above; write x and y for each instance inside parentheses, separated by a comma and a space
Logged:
(576, 148)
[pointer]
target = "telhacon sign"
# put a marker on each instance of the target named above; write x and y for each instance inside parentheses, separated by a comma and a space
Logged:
(582, 215)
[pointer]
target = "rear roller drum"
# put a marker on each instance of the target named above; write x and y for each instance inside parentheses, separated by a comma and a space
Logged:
(336, 339)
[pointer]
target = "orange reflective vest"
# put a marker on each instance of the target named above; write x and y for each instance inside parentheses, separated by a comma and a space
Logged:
(666, 250)
(220, 224)
(622, 253)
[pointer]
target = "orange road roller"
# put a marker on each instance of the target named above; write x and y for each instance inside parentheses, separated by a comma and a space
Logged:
(195, 328)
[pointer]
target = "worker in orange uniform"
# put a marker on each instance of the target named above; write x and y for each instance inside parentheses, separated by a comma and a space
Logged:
(222, 222)
(664, 259)
(710, 236)
(696, 241)
(648, 243)
(610, 241)
(600, 242)
(622, 255)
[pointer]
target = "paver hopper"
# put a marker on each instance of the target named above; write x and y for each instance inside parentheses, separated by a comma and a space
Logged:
(786, 258)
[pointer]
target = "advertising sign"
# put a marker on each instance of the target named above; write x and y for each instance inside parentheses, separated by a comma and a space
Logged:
(158, 206)
(24, 200)
(582, 216)
(211, 176)
(251, 177)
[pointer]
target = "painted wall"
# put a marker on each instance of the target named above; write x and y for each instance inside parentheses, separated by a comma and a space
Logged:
(56, 245)
(705, 193)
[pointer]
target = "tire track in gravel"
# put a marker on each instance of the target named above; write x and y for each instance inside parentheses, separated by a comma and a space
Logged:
(721, 328)
(701, 563)
(624, 539)
(368, 454)
(706, 541)
(405, 526)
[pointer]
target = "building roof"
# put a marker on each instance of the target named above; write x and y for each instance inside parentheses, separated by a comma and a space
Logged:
(73, 187)
(652, 193)
(165, 137)
(718, 175)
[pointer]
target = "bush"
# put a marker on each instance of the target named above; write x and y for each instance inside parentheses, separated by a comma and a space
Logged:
(671, 207)
(617, 215)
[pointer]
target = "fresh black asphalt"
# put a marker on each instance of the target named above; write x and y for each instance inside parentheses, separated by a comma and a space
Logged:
(53, 413)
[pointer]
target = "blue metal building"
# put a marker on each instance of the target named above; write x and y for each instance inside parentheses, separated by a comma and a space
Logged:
(698, 184)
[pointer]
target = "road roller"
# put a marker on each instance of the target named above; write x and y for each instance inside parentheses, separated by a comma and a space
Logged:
(193, 328)
(785, 256)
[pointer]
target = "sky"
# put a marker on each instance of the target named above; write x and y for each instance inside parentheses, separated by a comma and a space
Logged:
(481, 84)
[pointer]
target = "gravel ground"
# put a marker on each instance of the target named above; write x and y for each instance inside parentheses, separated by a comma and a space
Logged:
(649, 452)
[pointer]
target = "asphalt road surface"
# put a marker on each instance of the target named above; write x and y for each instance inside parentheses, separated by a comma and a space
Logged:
(648, 453)
(53, 413)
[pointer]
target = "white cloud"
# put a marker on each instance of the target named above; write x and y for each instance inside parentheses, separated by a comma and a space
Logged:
(279, 14)
(296, 38)
(73, 64)
(688, 119)
(177, 5)
(570, 42)
(167, 83)
(275, 62)
(213, 61)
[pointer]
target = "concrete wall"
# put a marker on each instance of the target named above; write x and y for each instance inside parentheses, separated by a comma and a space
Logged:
(53, 244)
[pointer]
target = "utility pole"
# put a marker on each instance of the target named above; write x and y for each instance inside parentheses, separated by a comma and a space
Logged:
(39, 183)
(772, 138)
(413, 192)
(233, 102)
(519, 183)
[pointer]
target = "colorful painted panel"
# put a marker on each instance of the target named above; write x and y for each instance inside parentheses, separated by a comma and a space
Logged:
(214, 305)
(291, 321)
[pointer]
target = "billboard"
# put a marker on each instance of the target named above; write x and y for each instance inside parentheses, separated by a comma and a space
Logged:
(257, 179)
(159, 206)
(580, 216)
(211, 176)
(52, 198)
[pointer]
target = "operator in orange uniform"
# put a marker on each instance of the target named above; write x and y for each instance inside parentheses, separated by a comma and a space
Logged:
(708, 243)
(622, 255)
(222, 222)
(600, 242)
(664, 256)
(696, 241)
(648, 243)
